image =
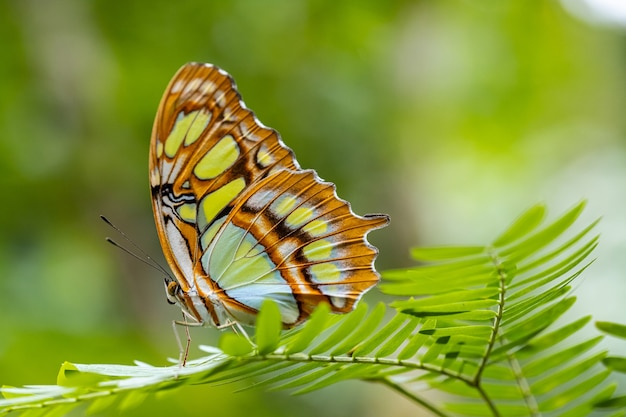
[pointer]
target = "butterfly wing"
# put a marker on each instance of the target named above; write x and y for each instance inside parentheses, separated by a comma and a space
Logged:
(206, 149)
(238, 221)
(291, 239)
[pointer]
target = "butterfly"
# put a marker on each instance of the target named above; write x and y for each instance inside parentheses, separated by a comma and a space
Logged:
(239, 221)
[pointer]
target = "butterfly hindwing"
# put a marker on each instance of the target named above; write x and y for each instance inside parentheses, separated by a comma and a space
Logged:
(291, 239)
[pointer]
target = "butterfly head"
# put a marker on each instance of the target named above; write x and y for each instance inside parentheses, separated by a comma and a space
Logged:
(173, 292)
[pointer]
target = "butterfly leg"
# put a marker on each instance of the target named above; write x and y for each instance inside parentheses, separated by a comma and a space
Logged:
(183, 353)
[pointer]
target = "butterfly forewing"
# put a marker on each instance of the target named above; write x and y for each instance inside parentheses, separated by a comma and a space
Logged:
(239, 221)
(206, 148)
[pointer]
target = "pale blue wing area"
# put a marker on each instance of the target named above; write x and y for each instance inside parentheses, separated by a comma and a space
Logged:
(233, 261)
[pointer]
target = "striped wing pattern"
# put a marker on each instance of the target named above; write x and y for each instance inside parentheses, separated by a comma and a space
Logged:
(239, 221)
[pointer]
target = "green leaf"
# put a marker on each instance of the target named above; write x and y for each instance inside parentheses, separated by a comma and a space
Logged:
(581, 410)
(476, 331)
(499, 371)
(435, 349)
(311, 329)
(268, 327)
(563, 399)
(61, 410)
(234, 344)
(307, 378)
(430, 279)
(364, 329)
(377, 338)
(101, 404)
(133, 399)
(516, 310)
(551, 339)
(409, 307)
(527, 222)
(519, 310)
(551, 362)
(562, 250)
(604, 394)
(554, 380)
(341, 374)
(617, 364)
(449, 297)
(547, 276)
(545, 236)
(347, 326)
(616, 402)
(417, 340)
(504, 391)
(524, 331)
(293, 371)
(393, 343)
(613, 329)
(70, 376)
(445, 252)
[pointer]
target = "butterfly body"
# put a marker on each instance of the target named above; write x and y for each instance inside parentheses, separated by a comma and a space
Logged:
(239, 221)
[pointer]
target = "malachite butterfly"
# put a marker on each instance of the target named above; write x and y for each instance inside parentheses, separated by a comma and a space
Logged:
(239, 220)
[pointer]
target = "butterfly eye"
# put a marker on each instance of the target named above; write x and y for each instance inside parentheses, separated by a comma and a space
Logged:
(171, 290)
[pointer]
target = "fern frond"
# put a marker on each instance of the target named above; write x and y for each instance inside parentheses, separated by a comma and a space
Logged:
(301, 360)
(480, 323)
(500, 300)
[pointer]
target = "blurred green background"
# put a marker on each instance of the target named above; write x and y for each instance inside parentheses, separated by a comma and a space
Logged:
(452, 116)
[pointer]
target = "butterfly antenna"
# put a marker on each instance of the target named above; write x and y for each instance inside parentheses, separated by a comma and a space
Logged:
(145, 258)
